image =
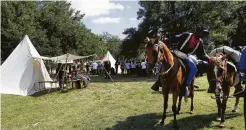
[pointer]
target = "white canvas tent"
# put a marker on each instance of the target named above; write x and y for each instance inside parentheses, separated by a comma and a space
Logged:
(22, 69)
(109, 57)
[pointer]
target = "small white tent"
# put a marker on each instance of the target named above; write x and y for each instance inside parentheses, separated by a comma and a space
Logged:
(22, 69)
(109, 57)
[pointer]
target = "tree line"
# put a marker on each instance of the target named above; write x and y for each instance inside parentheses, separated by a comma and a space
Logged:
(53, 27)
(225, 20)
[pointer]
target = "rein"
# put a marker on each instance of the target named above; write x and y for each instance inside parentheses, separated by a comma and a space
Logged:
(161, 48)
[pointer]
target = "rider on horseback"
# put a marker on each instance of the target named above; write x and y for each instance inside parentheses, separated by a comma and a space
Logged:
(188, 44)
(233, 56)
(242, 68)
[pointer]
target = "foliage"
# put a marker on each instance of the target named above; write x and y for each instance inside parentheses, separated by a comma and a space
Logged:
(53, 27)
(111, 43)
(224, 20)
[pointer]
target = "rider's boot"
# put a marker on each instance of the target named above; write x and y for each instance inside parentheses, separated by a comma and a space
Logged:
(156, 85)
(210, 89)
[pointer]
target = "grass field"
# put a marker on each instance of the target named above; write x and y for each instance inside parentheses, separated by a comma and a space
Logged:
(125, 104)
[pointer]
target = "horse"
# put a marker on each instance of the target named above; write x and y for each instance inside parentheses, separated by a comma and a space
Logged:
(172, 76)
(221, 78)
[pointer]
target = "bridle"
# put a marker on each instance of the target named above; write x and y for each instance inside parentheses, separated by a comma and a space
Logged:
(216, 69)
(159, 50)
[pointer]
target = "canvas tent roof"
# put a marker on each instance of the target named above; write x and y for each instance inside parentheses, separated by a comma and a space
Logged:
(22, 69)
(66, 58)
(109, 57)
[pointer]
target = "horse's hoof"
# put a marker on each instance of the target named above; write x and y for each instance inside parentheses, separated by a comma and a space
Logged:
(162, 123)
(222, 125)
(191, 112)
(218, 119)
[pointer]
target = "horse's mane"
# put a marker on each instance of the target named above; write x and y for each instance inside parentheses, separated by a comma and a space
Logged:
(168, 57)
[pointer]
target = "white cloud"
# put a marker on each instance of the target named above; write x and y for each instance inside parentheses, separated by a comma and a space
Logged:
(105, 20)
(133, 19)
(93, 8)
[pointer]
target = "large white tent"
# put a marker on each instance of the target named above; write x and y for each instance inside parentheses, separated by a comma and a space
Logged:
(109, 57)
(22, 69)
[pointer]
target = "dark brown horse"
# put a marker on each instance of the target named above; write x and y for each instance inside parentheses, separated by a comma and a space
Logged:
(172, 75)
(221, 77)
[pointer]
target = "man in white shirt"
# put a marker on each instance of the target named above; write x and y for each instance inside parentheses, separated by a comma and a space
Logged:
(143, 67)
(133, 67)
(94, 67)
(128, 64)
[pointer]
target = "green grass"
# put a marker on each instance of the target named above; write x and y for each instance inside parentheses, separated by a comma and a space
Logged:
(125, 104)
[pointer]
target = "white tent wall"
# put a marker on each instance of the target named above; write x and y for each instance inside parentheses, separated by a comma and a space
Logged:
(109, 57)
(21, 70)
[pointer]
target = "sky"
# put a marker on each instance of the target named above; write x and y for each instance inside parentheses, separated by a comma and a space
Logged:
(107, 15)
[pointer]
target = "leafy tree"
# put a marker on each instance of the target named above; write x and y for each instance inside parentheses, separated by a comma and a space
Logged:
(53, 27)
(110, 43)
(174, 17)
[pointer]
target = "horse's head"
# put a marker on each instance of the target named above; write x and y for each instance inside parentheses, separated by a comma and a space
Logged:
(151, 52)
(216, 72)
(156, 50)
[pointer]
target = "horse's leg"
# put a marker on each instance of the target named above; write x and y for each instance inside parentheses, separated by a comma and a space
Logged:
(179, 104)
(223, 107)
(218, 102)
(192, 96)
(165, 92)
(226, 92)
(174, 107)
(239, 87)
(191, 105)
(236, 105)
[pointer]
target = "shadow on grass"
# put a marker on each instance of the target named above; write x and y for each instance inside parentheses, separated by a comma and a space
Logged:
(54, 90)
(151, 121)
(123, 78)
(41, 93)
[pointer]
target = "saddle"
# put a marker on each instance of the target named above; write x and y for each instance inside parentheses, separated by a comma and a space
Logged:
(183, 67)
(181, 64)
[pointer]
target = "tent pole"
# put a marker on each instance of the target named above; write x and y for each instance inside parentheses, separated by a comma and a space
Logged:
(65, 71)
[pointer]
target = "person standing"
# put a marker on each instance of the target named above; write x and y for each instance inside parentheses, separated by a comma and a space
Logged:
(143, 67)
(107, 66)
(60, 72)
(94, 68)
(122, 67)
(133, 67)
(87, 68)
(116, 67)
(100, 67)
(127, 68)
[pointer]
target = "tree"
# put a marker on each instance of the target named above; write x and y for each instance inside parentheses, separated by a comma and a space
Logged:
(110, 43)
(18, 20)
(53, 27)
(174, 17)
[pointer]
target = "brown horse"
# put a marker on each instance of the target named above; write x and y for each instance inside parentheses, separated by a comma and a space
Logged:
(172, 75)
(221, 76)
